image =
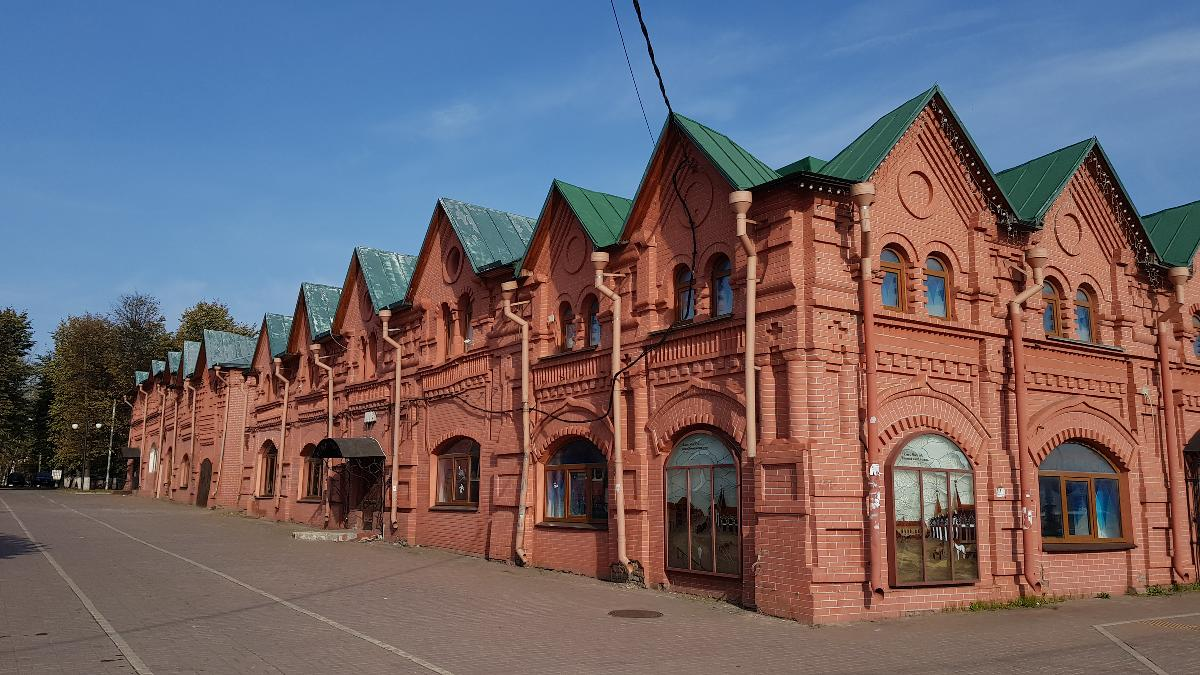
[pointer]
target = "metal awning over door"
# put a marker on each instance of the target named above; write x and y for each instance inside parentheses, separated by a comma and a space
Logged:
(131, 453)
(349, 448)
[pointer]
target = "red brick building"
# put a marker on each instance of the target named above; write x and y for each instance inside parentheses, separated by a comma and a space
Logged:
(966, 384)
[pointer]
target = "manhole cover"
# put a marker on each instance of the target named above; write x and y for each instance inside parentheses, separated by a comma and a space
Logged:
(635, 614)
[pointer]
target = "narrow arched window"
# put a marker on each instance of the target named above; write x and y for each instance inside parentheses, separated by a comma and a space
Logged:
(372, 356)
(464, 322)
(722, 287)
(685, 294)
(702, 507)
(1050, 314)
(447, 331)
(577, 484)
(566, 327)
(268, 466)
(314, 473)
(153, 460)
(1081, 496)
(185, 472)
(933, 513)
(891, 264)
(593, 321)
(1085, 316)
(937, 288)
(1196, 340)
(458, 474)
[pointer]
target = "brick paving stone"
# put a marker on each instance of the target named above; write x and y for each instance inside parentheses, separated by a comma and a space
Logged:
(469, 615)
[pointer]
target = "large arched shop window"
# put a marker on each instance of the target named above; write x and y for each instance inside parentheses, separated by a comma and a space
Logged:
(1081, 496)
(185, 472)
(933, 513)
(1085, 315)
(937, 287)
(1050, 315)
(458, 474)
(722, 287)
(702, 507)
(314, 473)
(592, 307)
(268, 465)
(892, 264)
(577, 484)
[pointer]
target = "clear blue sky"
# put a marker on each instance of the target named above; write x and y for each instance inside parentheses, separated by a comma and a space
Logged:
(232, 150)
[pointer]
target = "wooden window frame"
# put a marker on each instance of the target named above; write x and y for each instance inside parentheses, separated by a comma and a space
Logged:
(685, 294)
(1196, 339)
(1090, 540)
(891, 500)
(712, 506)
(715, 278)
(1053, 304)
(900, 269)
(267, 472)
(465, 329)
(314, 478)
(947, 285)
(1090, 304)
(566, 470)
(567, 338)
(459, 454)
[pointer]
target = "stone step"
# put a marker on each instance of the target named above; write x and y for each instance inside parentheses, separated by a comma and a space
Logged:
(325, 535)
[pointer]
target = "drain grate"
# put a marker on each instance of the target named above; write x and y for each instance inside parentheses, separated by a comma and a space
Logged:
(635, 614)
(1173, 625)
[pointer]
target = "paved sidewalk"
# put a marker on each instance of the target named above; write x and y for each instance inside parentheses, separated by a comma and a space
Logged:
(196, 591)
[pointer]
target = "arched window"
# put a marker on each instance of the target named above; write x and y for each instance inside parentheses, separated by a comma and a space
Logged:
(1196, 340)
(185, 472)
(577, 484)
(268, 465)
(314, 473)
(458, 474)
(1085, 316)
(702, 507)
(592, 305)
(1081, 496)
(933, 513)
(464, 322)
(685, 294)
(372, 356)
(153, 460)
(938, 290)
(891, 264)
(566, 327)
(1051, 322)
(722, 287)
(447, 331)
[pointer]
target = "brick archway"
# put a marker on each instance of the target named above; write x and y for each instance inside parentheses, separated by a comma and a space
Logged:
(698, 405)
(1077, 418)
(919, 407)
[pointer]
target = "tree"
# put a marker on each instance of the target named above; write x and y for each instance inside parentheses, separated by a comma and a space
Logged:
(207, 315)
(81, 376)
(16, 341)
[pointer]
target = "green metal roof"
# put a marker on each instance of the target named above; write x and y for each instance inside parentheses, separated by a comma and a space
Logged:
(278, 328)
(809, 164)
(139, 377)
(602, 215)
(489, 237)
(1033, 186)
(1175, 233)
(387, 275)
(857, 161)
(228, 350)
(742, 169)
(191, 352)
(173, 359)
(157, 367)
(320, 303)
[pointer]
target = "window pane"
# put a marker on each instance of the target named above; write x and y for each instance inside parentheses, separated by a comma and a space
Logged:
(556, 494)
(935, 296)
(474, 479)
(594, 328)
(1083, 323)
(936, 514)
(891, 289)
(462, 479)
(579, 451)
(729, 552)
(962, 533)
(1075, 457)
(888, 255)
(932, 451)
(699, 450)
(446, 479)
(599, 489)
(1108, 508)
(677, 519)
(579, 493)
(1049, 319)
(1079, 512)
(701, 503)
(1050, 490)
(906, 509)
(723, 295)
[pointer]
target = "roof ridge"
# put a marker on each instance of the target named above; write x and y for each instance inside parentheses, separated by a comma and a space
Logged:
(861, 145)
(485, 208)
(1093, 139)
(1172, 208)
(599, 192)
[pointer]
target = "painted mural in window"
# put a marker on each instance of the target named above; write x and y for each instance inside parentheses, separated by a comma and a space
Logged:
(458, 474)
(933, 513)
(702, 507)
(891, 264)
(937, 288)
(577, 484)
(1080, 495)
(722, 287)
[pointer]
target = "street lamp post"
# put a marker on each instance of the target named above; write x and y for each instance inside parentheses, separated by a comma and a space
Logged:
(86, 438)
(112, 427)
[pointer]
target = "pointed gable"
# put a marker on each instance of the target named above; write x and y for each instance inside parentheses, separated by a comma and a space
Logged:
(601, 215)
(1033, 186)
(191, 352)
(277, 327)
(1175, 233)
(320, 304)
(386, 275)
(742, 169)
(809, 164)
(490, 238)
(140, 376)
(173, 360)
(228, 350)
(157, 367)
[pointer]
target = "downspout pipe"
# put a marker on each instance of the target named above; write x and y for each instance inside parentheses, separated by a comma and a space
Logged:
(863, 195)
(740, 201)
(174, 443)
(509, 289)
(162, 434)
(385, 315)
(316, 350)
(277, 373)
(145, 413)
(1031, 539)
(600, 261)
(1181, 545)
(224, 435)
(187, 386)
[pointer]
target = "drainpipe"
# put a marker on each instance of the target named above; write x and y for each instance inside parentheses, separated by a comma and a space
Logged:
(187, 386)
(1180, 543)
(224, 435)
(509, 289)
(145, 413)
(385, 315)
(162, 434)
(277, 373)
(864, 195)
(599, 261)
(1031, 540)
(174, 444)
(316, 350)
(740, 202)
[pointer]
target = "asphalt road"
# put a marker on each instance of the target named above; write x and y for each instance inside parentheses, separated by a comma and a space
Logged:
(94, 583)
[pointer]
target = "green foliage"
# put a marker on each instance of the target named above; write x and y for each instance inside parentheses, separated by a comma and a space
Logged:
(16, 342)
(1103, 596)
(1157, 590)
(1023, 601)
(210, 315)
(1173, 589)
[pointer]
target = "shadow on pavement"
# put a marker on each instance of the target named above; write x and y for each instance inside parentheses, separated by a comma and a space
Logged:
(11, 547)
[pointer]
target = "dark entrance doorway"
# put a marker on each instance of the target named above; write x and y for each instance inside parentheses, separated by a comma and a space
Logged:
(1192, 469)
(203, 484)
(355, 496)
